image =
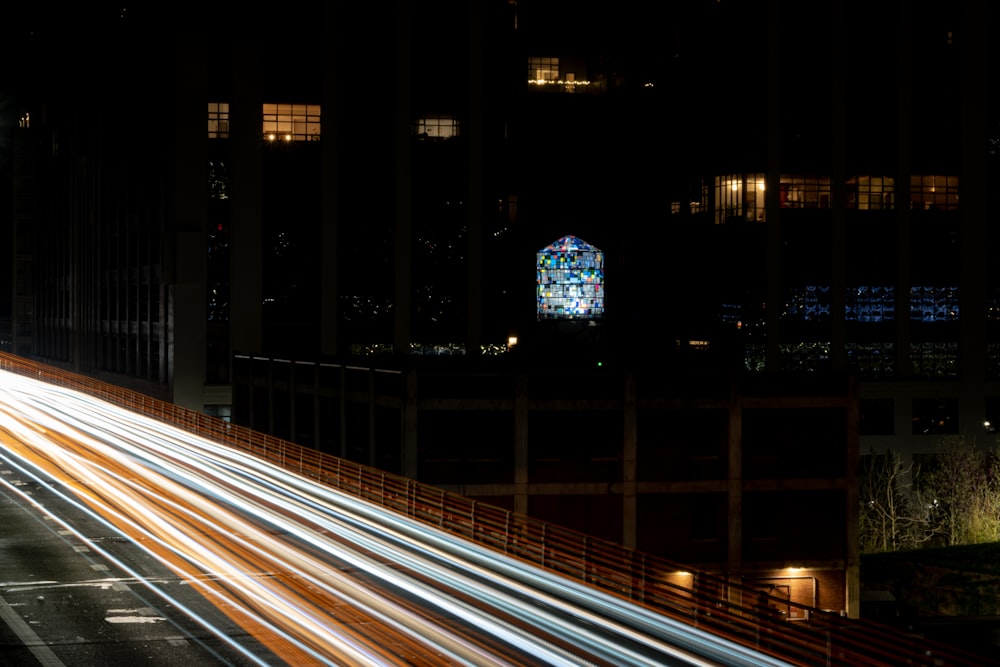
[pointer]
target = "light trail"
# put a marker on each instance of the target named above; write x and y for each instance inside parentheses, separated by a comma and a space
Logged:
(319, 576)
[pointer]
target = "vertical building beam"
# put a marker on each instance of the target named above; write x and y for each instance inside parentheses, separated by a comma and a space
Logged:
(772, 361)
(329, 226)
(188, 324)
(521, 444)
(735, 475)
(852, 569)
(903, 171)
(246, 136)
(975, 209)
(630, 466)
(403, 131)
(476, 210)
(838, 179)
(409, 421)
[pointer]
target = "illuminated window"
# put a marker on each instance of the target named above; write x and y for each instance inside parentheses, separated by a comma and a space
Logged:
(218, 120)
(807, 304)
(543, 70)
(739, 197)
(934, 304)
(570, 280)
(437, 128)
(291, 122)
(871, 193)
(938, 193)
(870, 303)
(805, 192)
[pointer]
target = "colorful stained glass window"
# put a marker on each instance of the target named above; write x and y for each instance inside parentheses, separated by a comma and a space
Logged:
(570, 277)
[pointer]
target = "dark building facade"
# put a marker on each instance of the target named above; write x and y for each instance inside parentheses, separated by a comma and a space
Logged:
(787, 190)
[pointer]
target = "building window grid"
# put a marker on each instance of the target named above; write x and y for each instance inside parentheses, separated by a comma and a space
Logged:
(437, 127)
(739, 197)
(807, 304)
(871, 360)
(543, 70)
(218, 120)
(871, 193)
(937, 193)
(870, 303)
(934, 359)
(934, 304)
(804, 355)
(291, 122)
(804, 192)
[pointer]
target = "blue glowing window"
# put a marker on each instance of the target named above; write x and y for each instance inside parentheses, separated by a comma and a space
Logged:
(870, 303)
(934, 304)
(570, 280)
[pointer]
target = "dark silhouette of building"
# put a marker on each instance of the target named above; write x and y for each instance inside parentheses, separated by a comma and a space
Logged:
(778, 189)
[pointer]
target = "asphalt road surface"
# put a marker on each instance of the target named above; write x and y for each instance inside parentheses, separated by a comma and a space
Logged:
(63, 601)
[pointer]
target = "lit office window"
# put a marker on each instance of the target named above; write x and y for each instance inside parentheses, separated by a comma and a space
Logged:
(437, 128)
(805, 192)
(804, 356)
(870, 303)
(291, 122)
(807, 304)
(933, 304)
(871, 193)
(218, 120)
(570, 280)
(543, 70)
(934, 193)
(739, 198)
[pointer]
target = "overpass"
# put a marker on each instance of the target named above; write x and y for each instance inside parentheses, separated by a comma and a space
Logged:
(326, 561)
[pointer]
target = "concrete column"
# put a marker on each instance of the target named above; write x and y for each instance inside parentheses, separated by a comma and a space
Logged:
(409, 454)
(404, 137)
(521, 445)
(187, 323)
(329, 226)
(630, 466)
(246, 135)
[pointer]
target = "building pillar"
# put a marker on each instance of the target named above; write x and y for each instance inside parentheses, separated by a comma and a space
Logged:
(187, 323)
(772, 359)
(521, 445)
(409, 420)
(630, 466)
(246, 135)
(476, 209)
(404, 136)
(734, 522)
(330, 339)
(852, 569)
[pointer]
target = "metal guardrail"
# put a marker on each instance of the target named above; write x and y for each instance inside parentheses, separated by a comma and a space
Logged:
(707, 601)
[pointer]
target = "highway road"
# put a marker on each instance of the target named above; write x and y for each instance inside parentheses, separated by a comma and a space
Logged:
(124, 538)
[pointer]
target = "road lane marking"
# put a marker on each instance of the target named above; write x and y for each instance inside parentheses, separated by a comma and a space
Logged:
(28, 636)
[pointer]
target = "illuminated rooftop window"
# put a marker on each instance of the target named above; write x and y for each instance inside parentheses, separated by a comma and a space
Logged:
(570, 280)
(291, 122)
(544, 72)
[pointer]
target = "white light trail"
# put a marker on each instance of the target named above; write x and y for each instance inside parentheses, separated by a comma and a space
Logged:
(316, 575)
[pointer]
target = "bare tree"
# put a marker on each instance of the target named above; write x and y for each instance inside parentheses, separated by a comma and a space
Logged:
(889, 519)
(961, 492)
